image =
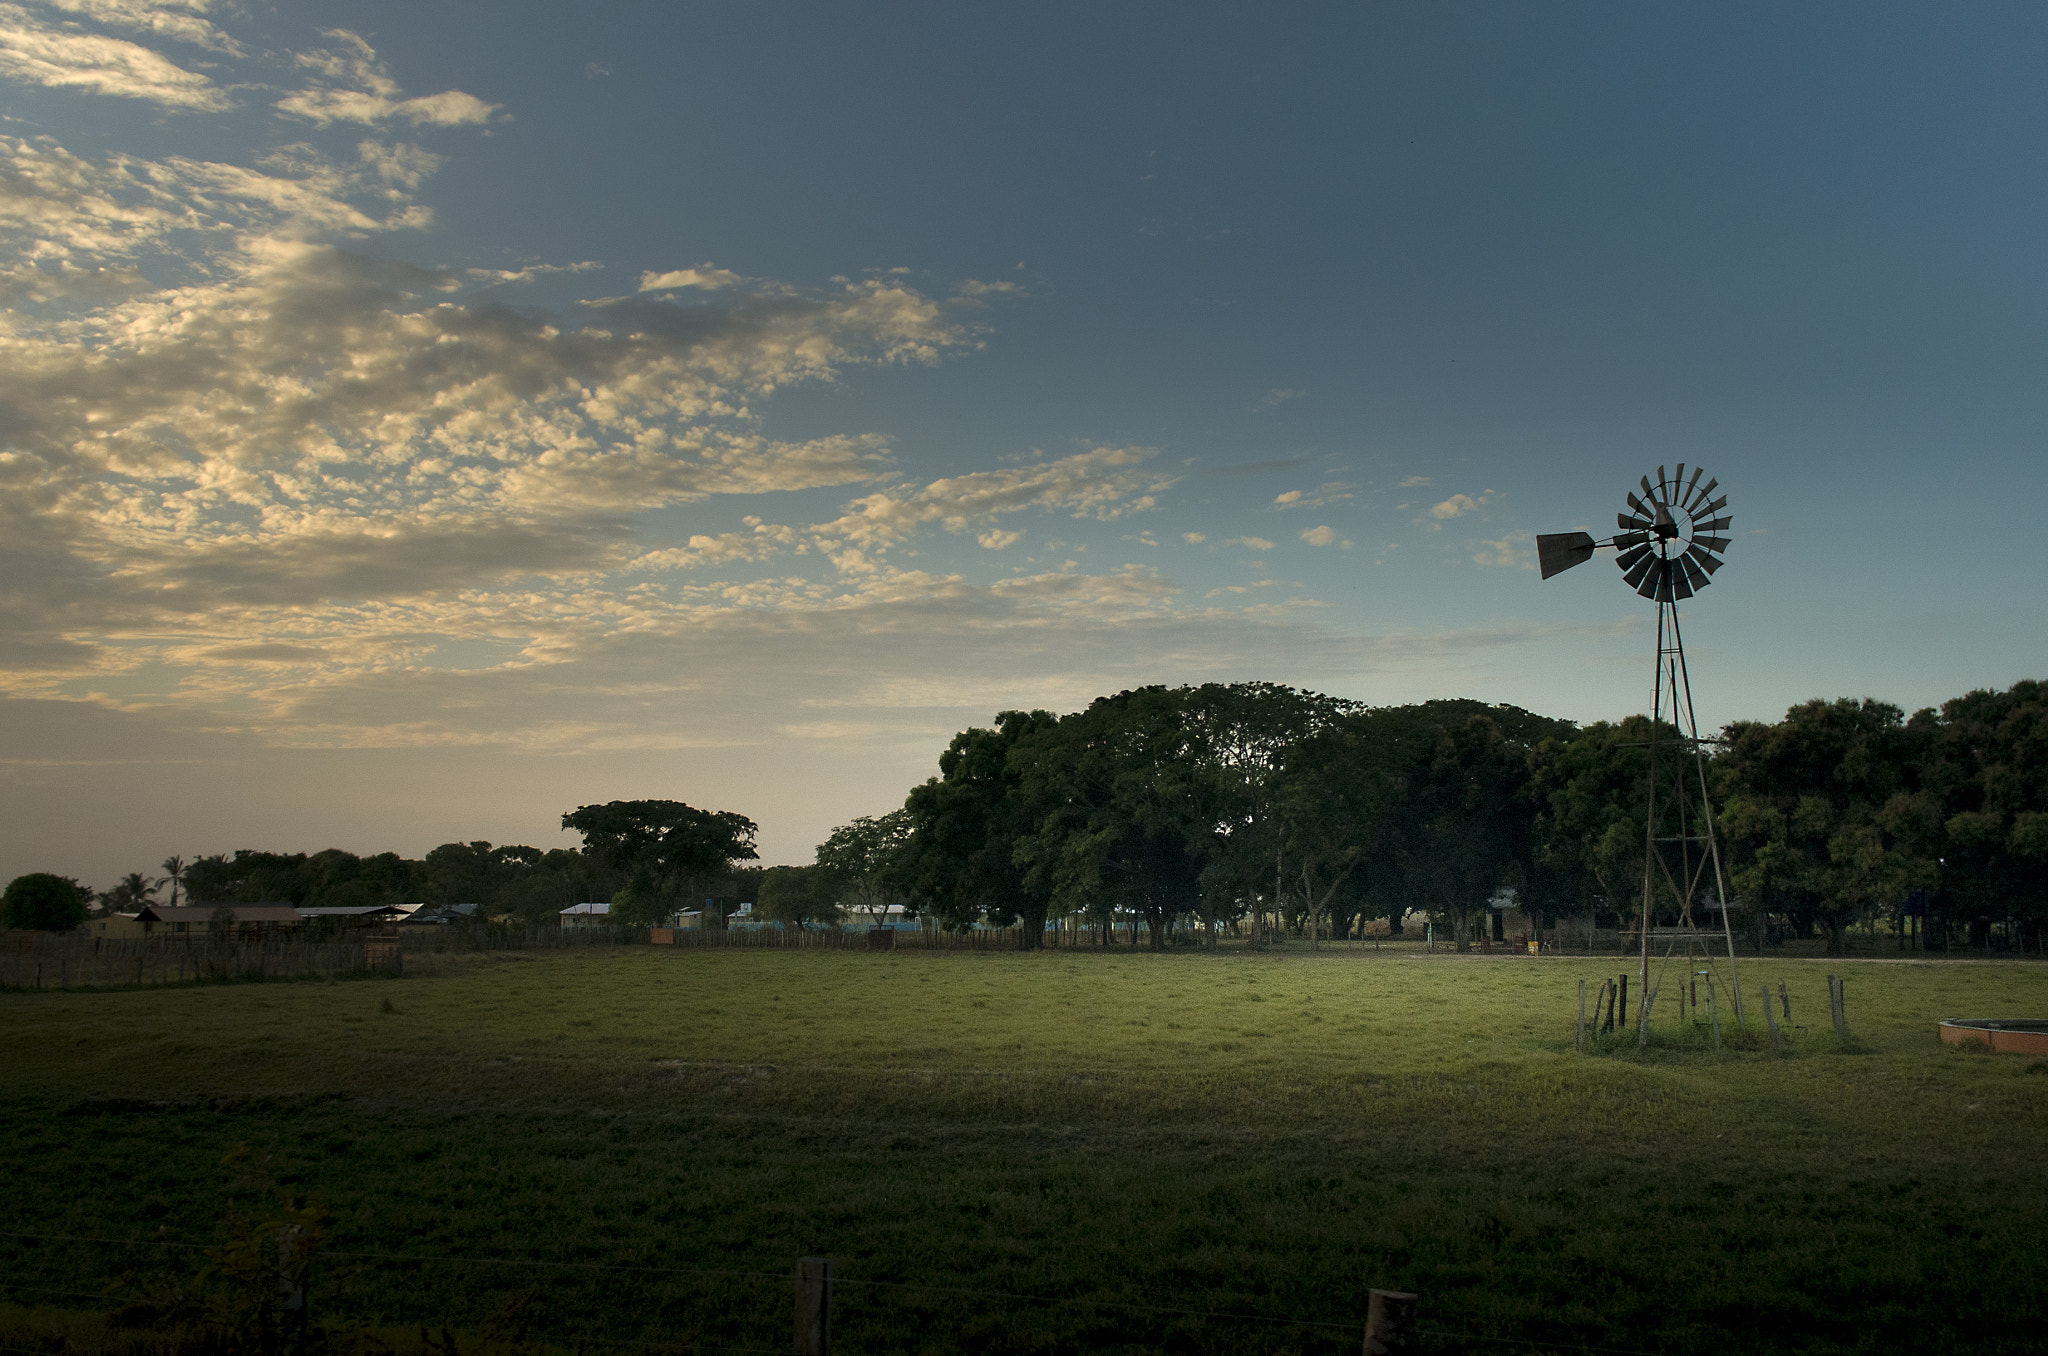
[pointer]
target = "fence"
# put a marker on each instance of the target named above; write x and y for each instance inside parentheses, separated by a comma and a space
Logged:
(43, 960)
(264, 1299)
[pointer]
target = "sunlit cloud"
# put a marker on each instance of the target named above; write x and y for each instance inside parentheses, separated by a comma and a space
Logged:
(357, 87)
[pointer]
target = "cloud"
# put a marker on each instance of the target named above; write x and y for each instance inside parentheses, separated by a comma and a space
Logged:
(1250, 543)
(361, 89)
(1324, 536)
(1507, 551)
(57, 57)
(1280, 395)
(1457, 506)
(175, 19)
(1194, 538)
(704, 276)
(1409, 482)
(995, 539)
(1329, 492)
(1104, 484)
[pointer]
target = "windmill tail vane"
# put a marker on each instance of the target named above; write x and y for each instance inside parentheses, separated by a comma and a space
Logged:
(1670, 543)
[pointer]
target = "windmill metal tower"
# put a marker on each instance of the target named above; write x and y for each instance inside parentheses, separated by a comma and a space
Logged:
(1670, 546)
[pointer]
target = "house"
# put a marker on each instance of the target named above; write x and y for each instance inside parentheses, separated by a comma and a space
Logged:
(592, 915)
(353, 915)
(115, 925)
(423, 915)
(158, 920)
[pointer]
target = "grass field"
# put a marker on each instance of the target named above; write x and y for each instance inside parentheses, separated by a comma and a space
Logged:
(1262, 1135)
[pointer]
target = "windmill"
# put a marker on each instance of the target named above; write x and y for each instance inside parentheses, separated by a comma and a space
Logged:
(1669, 548)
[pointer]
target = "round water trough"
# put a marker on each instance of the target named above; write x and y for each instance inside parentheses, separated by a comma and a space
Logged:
(2006, 1035)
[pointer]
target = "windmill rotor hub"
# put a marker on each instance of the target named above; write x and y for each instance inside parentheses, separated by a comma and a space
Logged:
(1670, 543)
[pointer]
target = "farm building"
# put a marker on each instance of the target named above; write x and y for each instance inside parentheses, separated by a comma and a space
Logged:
(591, 915)
(157, 920)
(353, 915)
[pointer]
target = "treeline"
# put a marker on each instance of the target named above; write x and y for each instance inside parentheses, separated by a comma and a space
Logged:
(649, 856)
(1268, 807)
(1264, 808)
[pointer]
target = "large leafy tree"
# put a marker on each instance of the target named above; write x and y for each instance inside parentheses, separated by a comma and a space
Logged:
(1985, 773)
(662, 847)
(958, 862)
(857, 863)
(1824, 818)
(43, 902)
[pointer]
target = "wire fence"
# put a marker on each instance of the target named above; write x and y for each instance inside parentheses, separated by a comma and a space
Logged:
(768, 1301)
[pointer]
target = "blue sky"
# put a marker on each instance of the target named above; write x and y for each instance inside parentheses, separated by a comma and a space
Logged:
(422, 419)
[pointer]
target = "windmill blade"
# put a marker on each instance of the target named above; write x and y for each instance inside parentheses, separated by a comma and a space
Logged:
(1631, 524)
(1714, 507)
(1677, 482)
(1718, 545)
(1557, 552)
(1648, 493)
(1640, 507)
(1702, 558)
(1715, 525)
(1662, 497)
(1694, 575)
(1652, 586)
(1627, 560)
(1697, 472)
(1706, 490)
(1643, 568)
(1624, 540)
(1681, 586)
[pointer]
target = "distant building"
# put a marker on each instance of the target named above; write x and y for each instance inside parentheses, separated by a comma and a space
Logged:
(354, 915)
(592, 915)
(157, 920)
(421, 915)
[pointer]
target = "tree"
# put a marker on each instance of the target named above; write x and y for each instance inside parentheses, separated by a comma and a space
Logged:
(133, 891)
(674, 845)
(857, 861)
(789, 895)
(1984, 764)
(43, 902)
(958, 863)
(1822, 815)
(174, 876)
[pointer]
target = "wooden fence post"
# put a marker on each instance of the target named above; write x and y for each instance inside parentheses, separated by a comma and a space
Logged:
(1579, 1041)
(1390, 1323)
(1770, 1019)
(1836, 1007)
(814, 1306)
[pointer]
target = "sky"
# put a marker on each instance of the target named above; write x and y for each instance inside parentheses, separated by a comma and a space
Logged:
(418, 420)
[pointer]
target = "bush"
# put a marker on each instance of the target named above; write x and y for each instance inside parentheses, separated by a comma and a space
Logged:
(43, 901)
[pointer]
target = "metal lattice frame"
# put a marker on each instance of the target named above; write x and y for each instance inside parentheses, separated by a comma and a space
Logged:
(1669, 547)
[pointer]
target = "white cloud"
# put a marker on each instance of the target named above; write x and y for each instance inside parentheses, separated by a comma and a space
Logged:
(1324, 536)
(1103, 484)
(1409, 482)
(995, 539)
(1280, 395)
(1455, 506)
(362, 90)
(704, 276)
(175, 19)
(1507, 551)
(1329, 492)
(37, 53)
(1194, 538)
(1250, 543)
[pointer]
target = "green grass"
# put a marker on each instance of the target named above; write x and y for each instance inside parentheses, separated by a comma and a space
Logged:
(1265, 1135)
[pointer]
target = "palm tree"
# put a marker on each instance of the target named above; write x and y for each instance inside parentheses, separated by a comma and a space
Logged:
(133, 890)
(174, 876)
